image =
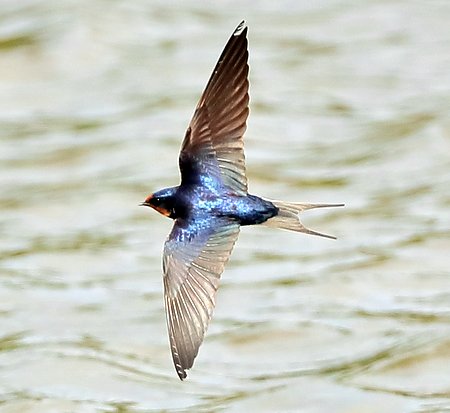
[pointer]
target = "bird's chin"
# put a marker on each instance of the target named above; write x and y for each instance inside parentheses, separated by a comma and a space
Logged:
(162, 211)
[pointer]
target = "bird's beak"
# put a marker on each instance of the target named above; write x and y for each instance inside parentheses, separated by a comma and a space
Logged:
(147, 201)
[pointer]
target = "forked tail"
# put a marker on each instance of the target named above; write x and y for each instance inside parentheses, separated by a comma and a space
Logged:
(288, 217)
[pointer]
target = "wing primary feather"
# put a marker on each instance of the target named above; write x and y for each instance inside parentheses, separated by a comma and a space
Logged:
(188, 328)
(234, 62)
(181, 335)
(193, 307)
(229, 49)
(173, 344)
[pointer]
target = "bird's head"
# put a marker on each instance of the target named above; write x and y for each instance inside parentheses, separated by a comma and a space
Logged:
(162, 201)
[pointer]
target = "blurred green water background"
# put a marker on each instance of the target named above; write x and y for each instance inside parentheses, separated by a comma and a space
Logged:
(350, 103)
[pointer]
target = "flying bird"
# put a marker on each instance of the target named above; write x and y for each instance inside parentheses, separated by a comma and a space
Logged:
(212, 203)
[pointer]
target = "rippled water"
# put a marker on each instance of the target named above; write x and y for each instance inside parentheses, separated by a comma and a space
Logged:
(349, 103)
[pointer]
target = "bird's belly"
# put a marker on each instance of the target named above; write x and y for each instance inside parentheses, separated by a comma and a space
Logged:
(247, 210)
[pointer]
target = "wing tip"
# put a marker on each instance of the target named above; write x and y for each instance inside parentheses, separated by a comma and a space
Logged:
(181, 372)
(241, 29)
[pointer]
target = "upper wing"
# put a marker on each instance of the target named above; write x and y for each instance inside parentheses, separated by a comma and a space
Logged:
(194, 258)
(213, 141)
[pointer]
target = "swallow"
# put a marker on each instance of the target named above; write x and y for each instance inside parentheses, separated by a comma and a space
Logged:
(212, 203)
